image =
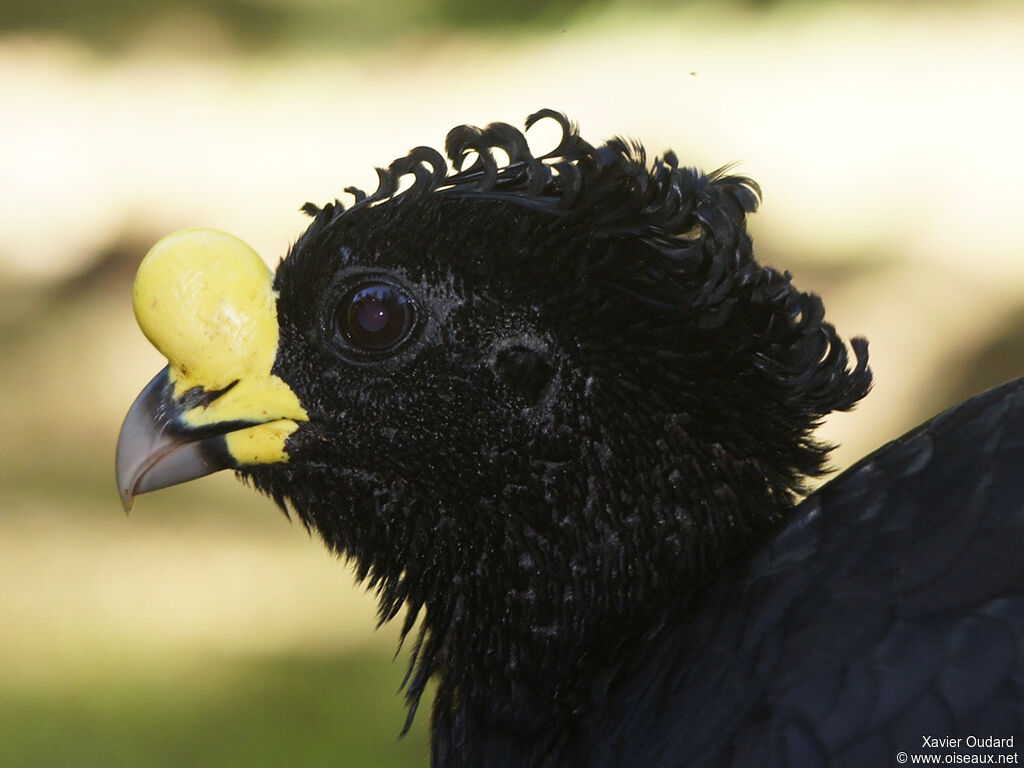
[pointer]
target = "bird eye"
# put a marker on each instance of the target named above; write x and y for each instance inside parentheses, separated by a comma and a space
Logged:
(374, 317)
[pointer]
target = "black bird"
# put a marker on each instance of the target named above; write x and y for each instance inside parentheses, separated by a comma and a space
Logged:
(555, 408)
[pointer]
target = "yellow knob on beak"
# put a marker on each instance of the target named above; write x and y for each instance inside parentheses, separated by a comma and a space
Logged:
(206, 301)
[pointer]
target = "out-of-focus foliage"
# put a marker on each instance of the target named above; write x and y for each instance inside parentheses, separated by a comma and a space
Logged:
(111, 25)
(314, 711)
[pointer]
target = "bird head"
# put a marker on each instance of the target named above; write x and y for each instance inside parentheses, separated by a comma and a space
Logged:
(534, 398)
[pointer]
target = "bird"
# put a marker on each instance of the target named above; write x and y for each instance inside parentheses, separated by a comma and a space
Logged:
(562, 421)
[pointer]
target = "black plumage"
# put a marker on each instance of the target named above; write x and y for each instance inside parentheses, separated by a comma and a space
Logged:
(578, 459)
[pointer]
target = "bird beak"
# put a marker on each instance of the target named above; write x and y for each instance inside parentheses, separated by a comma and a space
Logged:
(205, 300)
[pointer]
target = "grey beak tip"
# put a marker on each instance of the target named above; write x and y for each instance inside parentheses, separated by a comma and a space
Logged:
(154, 453)
(126, 500)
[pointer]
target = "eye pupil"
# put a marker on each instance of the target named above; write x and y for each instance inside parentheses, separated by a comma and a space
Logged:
(374, 317)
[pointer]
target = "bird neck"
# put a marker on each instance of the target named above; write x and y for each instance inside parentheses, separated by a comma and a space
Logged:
(529, 616)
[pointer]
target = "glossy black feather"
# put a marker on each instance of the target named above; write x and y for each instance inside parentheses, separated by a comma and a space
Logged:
(579, 472)
(890, 607)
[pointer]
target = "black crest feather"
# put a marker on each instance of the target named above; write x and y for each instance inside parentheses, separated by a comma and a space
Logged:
(664, 199)
(649, 267)
(699, 266)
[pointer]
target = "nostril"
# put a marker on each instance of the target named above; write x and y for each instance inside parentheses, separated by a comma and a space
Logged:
(525, 371)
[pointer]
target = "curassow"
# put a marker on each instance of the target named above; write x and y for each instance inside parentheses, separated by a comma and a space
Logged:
(554, 408)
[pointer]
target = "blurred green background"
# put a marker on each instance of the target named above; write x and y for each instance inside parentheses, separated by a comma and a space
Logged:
(206, 629)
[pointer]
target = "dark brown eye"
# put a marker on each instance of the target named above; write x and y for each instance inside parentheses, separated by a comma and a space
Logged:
(374, 317)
